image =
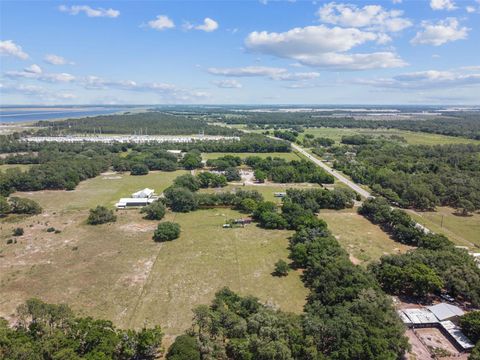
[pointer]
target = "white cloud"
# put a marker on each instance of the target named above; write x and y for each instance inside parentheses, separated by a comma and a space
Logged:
(442, 5)
(168, 92)
(9, 48)
(430, 79)
(440, 33)
(370, 16)
(208, 25)
(274, 73)
(325, 47)
(228, 84)
(56, 60)
(247, 71)
(89, 11)
(35, 72)
(161, 22)
(37, 91)
(297, 76)
(34, 69)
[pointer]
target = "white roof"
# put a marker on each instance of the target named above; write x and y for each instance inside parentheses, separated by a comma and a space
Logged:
(444, 311)
(143, 193)
(420, 316)
(457, 334)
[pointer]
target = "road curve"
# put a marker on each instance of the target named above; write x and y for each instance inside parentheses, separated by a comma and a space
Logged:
(337, 175)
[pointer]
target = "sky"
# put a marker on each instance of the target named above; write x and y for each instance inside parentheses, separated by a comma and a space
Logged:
(240, 52)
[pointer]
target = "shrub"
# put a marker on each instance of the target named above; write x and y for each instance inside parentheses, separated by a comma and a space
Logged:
(154, 211)
(166, 231)
(100, 215)
(5, 207)
(18, 231)
(139, 169)
(281, 268)
(180, 199)
(24, 206)
(51, 229)
(185, 347)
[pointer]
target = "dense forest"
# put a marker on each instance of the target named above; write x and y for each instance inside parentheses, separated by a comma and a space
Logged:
(415, 176)
(459, 124)
(151, 123)
(49, 331)
(64, 165)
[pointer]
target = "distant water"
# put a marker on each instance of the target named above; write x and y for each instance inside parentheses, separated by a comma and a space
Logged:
(19, 114)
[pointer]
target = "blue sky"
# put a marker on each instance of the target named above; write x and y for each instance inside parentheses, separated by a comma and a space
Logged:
(240, 52)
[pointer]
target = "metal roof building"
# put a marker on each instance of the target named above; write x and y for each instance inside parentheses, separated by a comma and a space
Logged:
(419, 317)
(145, 193)
(455, 333)
(444, 311)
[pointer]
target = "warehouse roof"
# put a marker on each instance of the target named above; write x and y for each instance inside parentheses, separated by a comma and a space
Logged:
(444, 311)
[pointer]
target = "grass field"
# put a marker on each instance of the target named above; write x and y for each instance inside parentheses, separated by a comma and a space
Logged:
(287, 156)
(105, 189)
(364, 241)
(116, 271)
(463, 230)
(22, 167)
(414, 138)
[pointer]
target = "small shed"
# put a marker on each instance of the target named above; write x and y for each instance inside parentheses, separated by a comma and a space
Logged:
(444, 311)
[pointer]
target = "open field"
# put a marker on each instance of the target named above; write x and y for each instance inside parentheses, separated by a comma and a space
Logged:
(463, 230)
(287, 156)
(414, 138)
(116, 271)
(105, 189)
(364, 241)
(22, 167)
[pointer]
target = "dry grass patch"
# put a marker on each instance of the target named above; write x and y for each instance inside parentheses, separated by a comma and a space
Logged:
(364, 241)
(116, 271)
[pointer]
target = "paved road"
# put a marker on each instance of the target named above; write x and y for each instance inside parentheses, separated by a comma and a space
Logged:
(346, 181)
(336, 174)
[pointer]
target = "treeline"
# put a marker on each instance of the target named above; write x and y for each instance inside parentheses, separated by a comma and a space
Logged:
(436, 266)
(417, 176)
(48, 331)
(459, 124)
(64, 172)
(151, 123)
(347, 316)
(282, 171)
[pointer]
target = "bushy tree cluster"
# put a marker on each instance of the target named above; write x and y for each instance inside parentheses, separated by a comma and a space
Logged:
(101, 215)
(61, 173)
(166, 231)
(417, 176)
(154, 211)
(282, 171)
(17, 205)
(400, 225)
(224, 162)
(436, 265)
(47, 331)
